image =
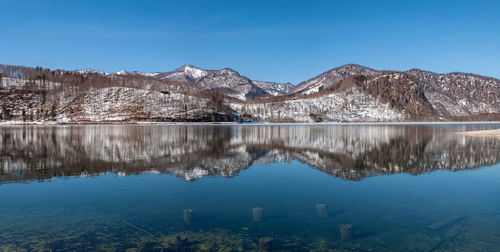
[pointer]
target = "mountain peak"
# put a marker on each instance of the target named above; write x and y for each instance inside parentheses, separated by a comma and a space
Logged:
(352, 67)
(228, 70)
(122, 72)
(331, 77)
(188, 73)
(188, 68)
(90, 72)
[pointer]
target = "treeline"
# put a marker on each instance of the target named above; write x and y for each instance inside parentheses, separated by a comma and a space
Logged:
(400, 93)
(75, 81)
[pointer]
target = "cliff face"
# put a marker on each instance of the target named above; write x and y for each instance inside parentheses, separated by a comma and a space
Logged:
(191, 152)
(401, 92)
(349, 93)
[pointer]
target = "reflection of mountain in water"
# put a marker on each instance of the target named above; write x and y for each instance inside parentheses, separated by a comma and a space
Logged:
(190, 152)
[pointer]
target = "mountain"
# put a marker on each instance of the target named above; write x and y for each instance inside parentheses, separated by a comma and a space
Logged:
(186, 73)
(416, 93)
(350, 93)
(90, 72)
(459, 94)
(123, 72)
(231, 83)
(274, 88)
(331, 77)
(226, 81)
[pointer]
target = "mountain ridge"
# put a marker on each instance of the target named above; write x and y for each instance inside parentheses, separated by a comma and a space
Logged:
(345, 65)
(350, 92)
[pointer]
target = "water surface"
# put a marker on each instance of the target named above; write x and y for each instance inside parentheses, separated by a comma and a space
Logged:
(133, 187)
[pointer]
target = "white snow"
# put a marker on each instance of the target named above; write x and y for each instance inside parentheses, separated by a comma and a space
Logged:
(345, 106)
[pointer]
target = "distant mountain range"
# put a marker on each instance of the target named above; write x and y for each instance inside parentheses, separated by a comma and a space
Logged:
(188, 93)
(225, 80)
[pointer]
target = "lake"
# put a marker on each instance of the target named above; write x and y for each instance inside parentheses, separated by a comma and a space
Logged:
(249, 187)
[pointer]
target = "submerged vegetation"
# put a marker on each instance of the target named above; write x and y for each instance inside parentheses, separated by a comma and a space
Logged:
(266, 188)
(86, 232)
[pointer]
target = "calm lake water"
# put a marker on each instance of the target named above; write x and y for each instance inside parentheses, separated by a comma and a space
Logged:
(224, 188)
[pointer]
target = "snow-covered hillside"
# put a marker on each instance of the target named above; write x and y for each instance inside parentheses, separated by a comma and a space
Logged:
(186, 73)
(227, 81)
(50, 102)
(350, 93)
(122, 104)
(12, 84)
(331, 77)
(460, 94)
(350, 106)
(274, 88)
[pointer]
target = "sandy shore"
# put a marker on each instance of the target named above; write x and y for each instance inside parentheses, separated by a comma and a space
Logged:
(482, 133)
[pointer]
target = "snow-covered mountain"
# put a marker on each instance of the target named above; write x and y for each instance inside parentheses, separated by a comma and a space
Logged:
(347, 93)
(459, 94)
(231, 83)
(349, 106)
(91, 72)
(274, 88)
(227, 81)
(331, 77)
(453, 95)
(186, 73)
(125, 73)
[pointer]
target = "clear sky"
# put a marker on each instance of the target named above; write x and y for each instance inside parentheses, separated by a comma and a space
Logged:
(263, 40)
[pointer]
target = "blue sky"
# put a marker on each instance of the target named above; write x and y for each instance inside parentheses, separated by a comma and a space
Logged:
(264, 40)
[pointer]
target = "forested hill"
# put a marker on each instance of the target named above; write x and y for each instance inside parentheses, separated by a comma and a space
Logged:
(190, 94)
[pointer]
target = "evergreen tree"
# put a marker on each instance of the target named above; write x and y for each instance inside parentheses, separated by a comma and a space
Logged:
(5, 112)
(53, 111)
(23, 113)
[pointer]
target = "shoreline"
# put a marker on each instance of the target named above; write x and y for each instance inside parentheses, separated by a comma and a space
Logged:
(54, 123)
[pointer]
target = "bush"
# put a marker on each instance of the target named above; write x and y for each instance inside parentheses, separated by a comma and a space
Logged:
(316, 117)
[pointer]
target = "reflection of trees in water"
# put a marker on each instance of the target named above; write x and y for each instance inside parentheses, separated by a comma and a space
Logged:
(190, 152)
(421, 150)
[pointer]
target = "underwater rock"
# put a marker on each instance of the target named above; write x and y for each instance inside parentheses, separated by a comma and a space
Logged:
(188, 215)
(346, 231)
(449, 238)
(265, 244)
(138, 228)
(257, 214)
(180, 241)
(322, 210)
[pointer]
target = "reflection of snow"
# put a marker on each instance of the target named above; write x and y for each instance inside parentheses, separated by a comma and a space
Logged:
(191, 152)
